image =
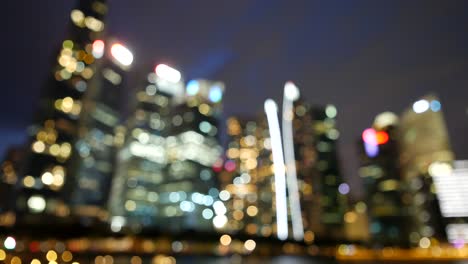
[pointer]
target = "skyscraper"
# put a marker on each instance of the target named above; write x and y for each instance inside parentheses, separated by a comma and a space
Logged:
(142, 160)
(450, 185)
(380, 170)
(45, 181)
(246, 179)
(99, 133)
(193, 148)
(423, 142)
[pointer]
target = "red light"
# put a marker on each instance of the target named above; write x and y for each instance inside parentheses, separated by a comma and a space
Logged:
(98, 45)
(370, 136)
(218, 165)
(382, 137)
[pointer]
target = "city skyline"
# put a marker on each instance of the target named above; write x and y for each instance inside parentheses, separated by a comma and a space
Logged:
(392, 69)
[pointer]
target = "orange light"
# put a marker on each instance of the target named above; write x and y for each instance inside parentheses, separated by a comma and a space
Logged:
(382, 137)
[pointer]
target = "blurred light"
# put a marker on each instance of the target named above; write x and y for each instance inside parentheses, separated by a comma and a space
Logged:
(2, 254)
(35, 261)
(279, 169)
(440, 169)
(167, 73)
(123, 55)
(224, 195)
(192, 87)
(207, 214)
(36, 203)
(225, 240)
(215, 94)
(230, 166)
(385, 119)
(424, 242)
(98, 48)
(420, 106)
(10, 243)
(47, 178)
(250, 245)
(38, 146)
(220, 221)
(219, 208)
(331, 111)
(435, 106)
(51, 255)
(382, 137)
(67, 256)
(117, 222)
(291, 92)
(343, 188)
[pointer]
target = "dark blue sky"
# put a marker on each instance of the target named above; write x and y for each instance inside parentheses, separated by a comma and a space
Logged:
(363, 56)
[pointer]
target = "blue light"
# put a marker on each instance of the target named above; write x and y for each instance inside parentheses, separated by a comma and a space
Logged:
(192, 87)
(372, 150)
(216, 94)
(435, 106)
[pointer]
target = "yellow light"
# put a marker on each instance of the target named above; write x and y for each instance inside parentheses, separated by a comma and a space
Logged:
(51, 255)
(67, 104)
(65, 150)
(54, 150)
(2, 254)
(424, 242)
(130, 205)
(225, 240)
(204, 109)
(67, 44)
(29, 181)
(77, 17)
(15, 260)
(67, 256)
(309, 236)
(108, 259)
(252, 210)
(35, 261)
(38, 146)
(250, 245)
(135, 260)
(350, 217)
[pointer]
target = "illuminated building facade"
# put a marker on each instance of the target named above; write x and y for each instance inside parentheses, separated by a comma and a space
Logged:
(99, 131)
(141, 162)
(381, 175)
(45, 182)
(8, 178)
(247, 180)
(451, 185)
(424, 145)
(189, 193)
(323, 192)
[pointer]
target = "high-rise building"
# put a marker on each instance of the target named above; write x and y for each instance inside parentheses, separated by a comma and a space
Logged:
(8, 178)
(246, 180)
(323, 191)
(99, 134)
(424, 141)
(45, 182)
(193, 148)
(451, 185)
(141, 163)
(380, 171)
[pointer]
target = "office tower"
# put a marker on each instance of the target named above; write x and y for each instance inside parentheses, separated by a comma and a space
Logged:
(423, 142)
(44, 184)
(135, 197)
(323, 192)
(246, 178)
(99, 134)
(451, 185)
(381, 175)
(190, 190)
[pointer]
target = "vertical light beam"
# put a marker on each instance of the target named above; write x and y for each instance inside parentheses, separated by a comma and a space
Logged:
(291, 93)
(271, 111)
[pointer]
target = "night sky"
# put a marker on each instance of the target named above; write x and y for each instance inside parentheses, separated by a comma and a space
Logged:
(365, 57)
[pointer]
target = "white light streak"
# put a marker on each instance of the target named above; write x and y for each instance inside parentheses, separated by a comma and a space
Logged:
(291, 93)
(271, 111)
(121, 54)
(167, 73)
